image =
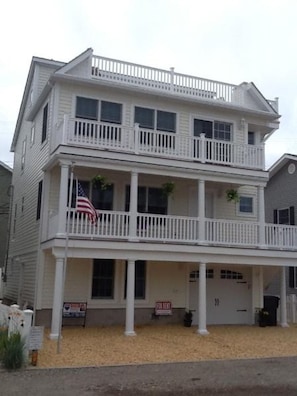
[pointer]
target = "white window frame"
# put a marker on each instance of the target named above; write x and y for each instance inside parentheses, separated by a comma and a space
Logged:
(246, 214)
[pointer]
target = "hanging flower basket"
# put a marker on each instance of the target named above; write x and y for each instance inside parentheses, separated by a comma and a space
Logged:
(232, 195)
(100, 182)
(168, 188)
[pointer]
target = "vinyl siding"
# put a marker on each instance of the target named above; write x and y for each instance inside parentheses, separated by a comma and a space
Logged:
(26, 238)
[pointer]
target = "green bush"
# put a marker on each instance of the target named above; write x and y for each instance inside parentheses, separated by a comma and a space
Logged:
(3, 340)
(12, 351)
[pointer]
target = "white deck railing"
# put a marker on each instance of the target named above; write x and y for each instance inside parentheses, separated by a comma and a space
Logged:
(182, 229)
(161, 80)
(85, 133)
(168, 81)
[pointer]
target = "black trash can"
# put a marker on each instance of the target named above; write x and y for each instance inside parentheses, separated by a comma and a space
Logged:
(271, 305)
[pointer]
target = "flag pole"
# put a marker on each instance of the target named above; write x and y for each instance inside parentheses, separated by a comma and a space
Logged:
(65, 256)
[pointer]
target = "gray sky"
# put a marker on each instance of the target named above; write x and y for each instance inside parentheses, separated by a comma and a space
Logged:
(225, 40)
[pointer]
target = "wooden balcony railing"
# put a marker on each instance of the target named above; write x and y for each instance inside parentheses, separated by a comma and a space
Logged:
(115, 225)
(90, 134)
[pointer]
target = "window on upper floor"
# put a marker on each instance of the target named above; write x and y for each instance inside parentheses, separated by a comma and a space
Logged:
(149, 200)
(155, 119)
(100, 198)
(218, 130)
(251, 138)
(32, 135)
(44, 123)
(103, 279)
(15, 218)
(39, 197)
(284, 216)
(86, 108)
(93, 109)
(140, 280)
(23, 157)
(111, 112)
(246, 205)
(23, 205)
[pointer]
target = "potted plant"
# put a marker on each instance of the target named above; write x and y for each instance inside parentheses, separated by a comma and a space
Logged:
(232, 195)
(188, 319)
(263, 317)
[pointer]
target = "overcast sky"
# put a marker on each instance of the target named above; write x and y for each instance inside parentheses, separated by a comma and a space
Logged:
(225, 40)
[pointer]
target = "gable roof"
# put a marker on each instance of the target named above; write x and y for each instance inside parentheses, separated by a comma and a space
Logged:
(280, 163)
(34, 62)
(5, 166)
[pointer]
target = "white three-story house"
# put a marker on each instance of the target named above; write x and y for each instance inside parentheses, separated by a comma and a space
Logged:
(174, 165)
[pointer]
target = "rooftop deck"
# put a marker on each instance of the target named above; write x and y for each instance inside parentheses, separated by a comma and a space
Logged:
(169, 81)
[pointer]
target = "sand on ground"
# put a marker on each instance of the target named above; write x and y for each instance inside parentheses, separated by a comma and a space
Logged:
(101, 346)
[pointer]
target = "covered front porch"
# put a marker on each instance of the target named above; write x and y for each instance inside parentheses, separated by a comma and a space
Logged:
(167, 276)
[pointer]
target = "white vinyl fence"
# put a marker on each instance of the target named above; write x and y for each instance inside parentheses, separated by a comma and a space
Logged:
(15, 320)
(292, 308)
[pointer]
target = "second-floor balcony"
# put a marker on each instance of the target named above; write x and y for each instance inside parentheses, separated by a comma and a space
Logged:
(178, 146)
(144, 227)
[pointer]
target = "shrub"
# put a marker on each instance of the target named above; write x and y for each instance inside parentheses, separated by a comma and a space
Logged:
(12, 355)
(3, 340)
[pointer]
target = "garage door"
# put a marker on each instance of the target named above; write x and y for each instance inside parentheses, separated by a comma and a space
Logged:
(228, 296)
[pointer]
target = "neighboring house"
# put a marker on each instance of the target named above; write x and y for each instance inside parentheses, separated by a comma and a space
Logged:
(5, 196)
(167, 151)
(281, 208)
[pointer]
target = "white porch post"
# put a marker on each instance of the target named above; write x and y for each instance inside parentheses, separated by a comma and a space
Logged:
(202, 300)
(201, 210)
(283, 299)
(57, 301)
(133, 205)
(261, 215)
(63, 200)
(130, 292)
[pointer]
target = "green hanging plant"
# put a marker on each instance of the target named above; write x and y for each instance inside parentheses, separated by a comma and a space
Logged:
(168, 188)
(100, 182)
(232, 195)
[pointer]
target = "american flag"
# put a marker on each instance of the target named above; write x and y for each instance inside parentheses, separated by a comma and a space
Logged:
(84, 205)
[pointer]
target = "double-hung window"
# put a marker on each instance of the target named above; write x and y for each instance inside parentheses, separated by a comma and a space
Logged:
(100, 198)
(140, 279)
(94, 110)
(213, 129)
(287, 216)
(156, 120)
(44, 123)
(246, 205)
(103, 279)
(39, 197)
(150, 200)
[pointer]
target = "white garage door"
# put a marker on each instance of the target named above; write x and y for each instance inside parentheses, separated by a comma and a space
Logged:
(228, 295)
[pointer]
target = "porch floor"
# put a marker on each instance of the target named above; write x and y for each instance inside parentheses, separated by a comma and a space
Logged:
(103, 346)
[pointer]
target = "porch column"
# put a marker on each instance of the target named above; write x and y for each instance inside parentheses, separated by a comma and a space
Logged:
(130, 293)
(63, 200)
(201, 210)
(133, 205)
(57, 301)
(261, 215)
(283, 299)
(202, 300)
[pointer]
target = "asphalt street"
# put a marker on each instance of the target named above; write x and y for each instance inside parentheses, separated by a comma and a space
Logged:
(261, 377)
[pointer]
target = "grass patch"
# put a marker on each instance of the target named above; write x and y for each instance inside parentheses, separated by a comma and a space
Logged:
(12, 349)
